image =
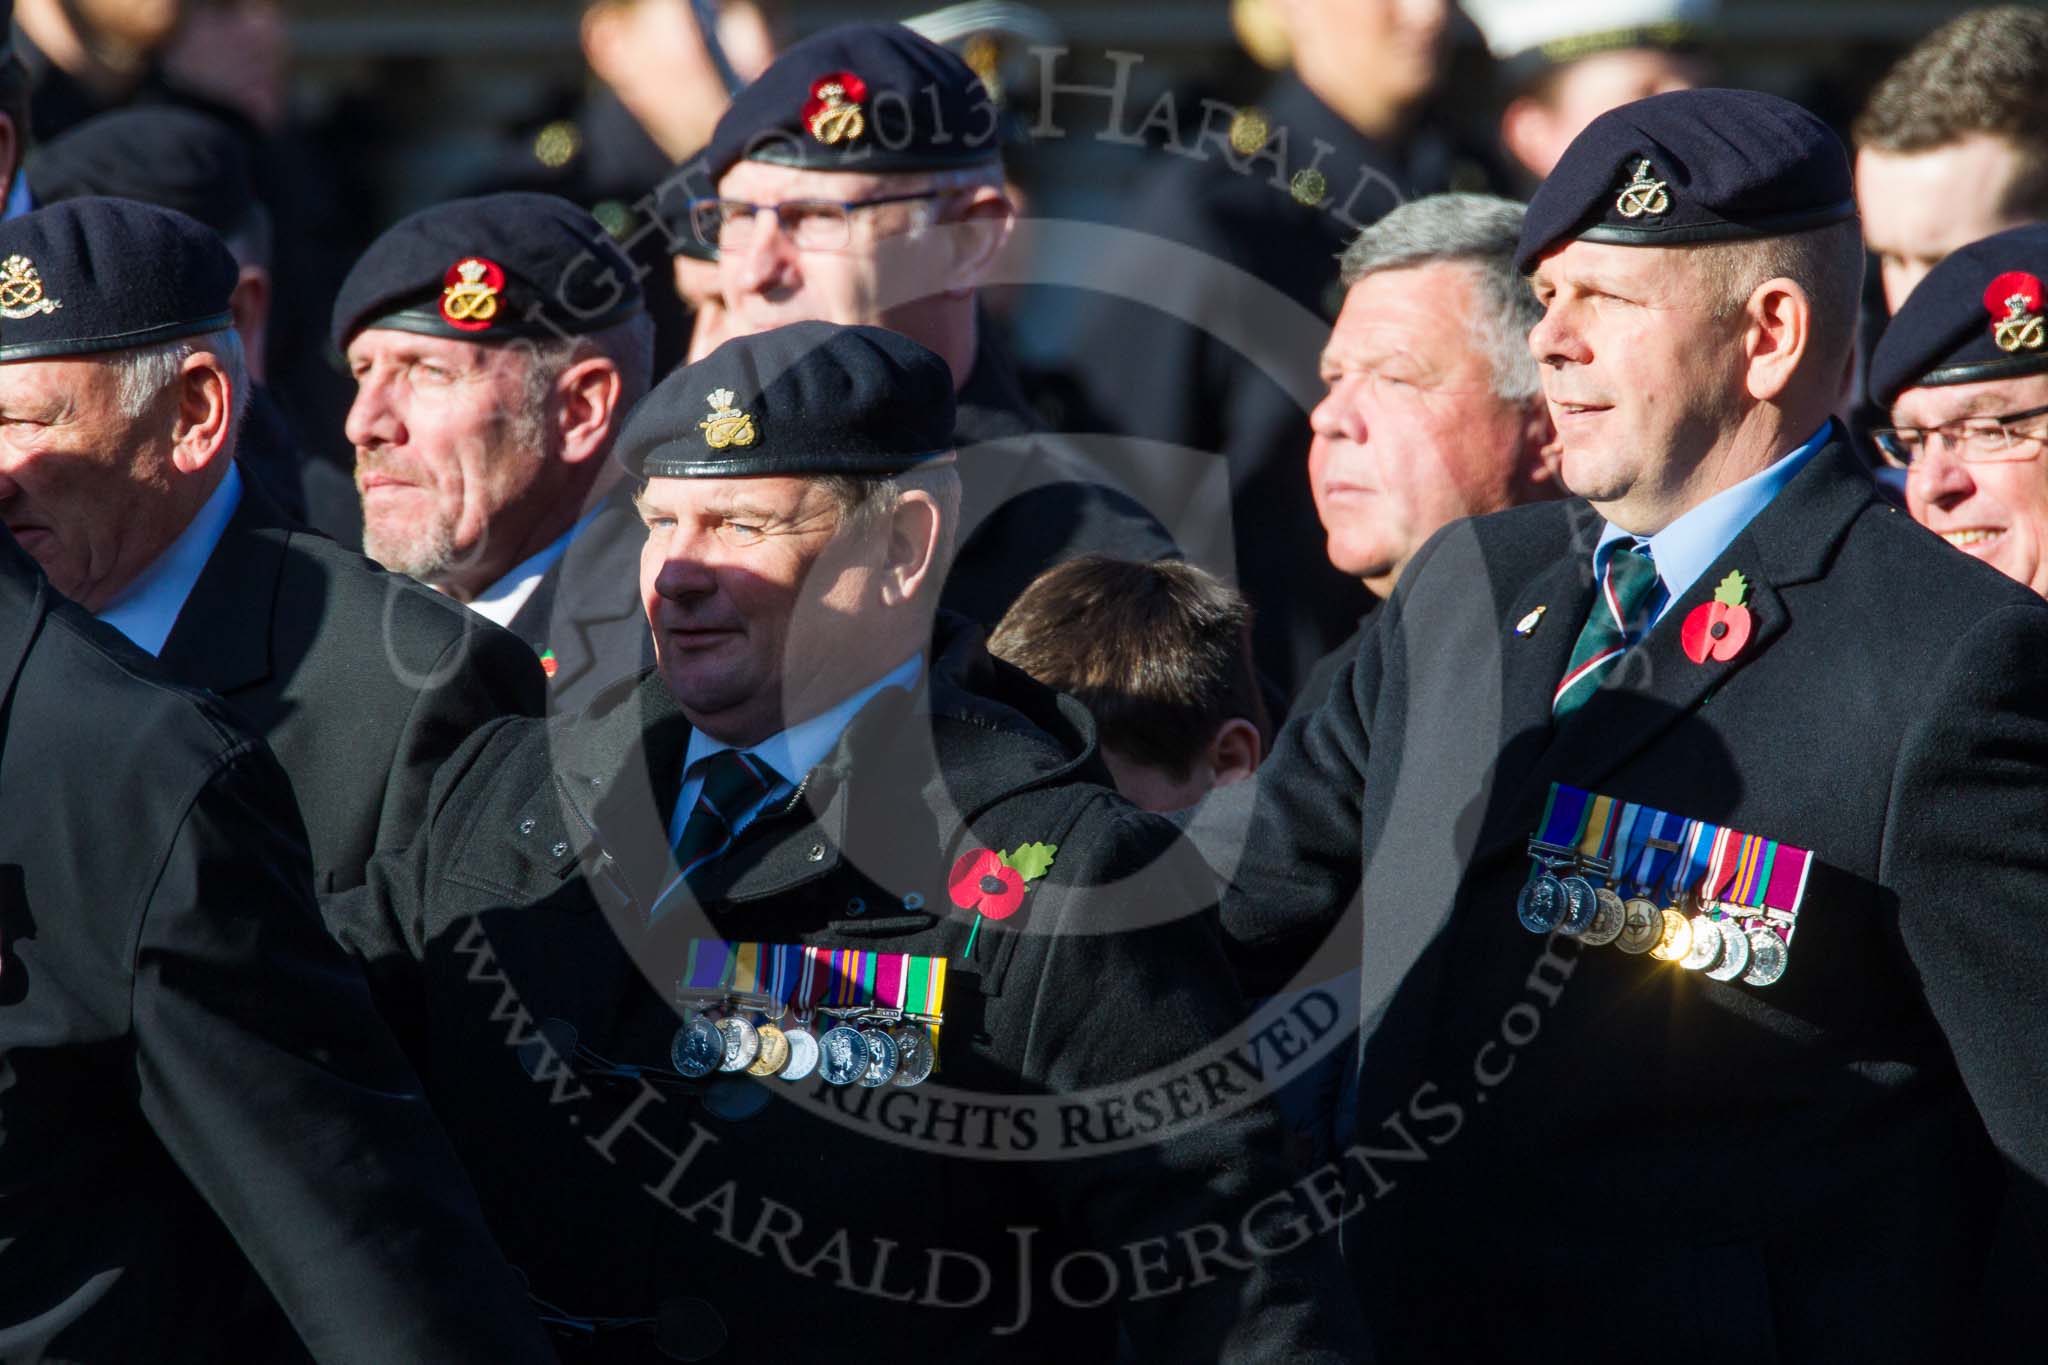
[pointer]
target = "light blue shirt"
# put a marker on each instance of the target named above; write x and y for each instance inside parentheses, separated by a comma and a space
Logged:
(792, 753)
(148, 608)
(1689, 546)
(19, 200)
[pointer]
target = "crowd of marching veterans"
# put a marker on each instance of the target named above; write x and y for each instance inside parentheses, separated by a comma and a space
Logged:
(1451, 775)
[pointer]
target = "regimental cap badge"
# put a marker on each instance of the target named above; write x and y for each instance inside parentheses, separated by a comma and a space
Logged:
(21, 290)
(2014, 301)
(727, 425)
(834, 111)
(469, 294)
(1644, 196)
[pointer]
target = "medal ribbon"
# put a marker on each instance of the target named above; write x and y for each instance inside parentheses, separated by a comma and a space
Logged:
(1697, 844)
(1787, 885)
(1753, 871)
(1597, 841)
(710, 964)
(1564, 815)
(1652, 866)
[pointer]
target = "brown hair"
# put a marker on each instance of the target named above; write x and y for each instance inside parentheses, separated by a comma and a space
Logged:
(1159, 653)
(1983, 72)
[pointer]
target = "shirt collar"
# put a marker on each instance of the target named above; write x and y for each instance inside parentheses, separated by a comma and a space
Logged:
(500, 602)
(19, 199)
(1688, 547)
(146, 609)
(802, 747)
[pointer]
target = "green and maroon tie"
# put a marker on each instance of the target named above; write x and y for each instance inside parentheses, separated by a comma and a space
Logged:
(1622, 616)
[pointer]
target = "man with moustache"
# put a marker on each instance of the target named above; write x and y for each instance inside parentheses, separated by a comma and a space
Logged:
(123, 388)
(1793, 1097)
(497, 345)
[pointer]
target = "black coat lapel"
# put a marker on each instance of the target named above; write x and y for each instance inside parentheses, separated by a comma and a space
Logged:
(221, 639)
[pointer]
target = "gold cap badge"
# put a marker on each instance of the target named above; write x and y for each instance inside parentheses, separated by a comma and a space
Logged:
(2014, 302)
(727, 425)
(1643, 197)
(469, 293)
(833, 113)
(21, 290)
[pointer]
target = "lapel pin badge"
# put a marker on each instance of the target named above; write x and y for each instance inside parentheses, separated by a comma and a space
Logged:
(1719, 629)
(1527, 625)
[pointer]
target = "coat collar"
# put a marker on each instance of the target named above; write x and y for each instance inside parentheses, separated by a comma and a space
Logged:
(974, 733)
(222, 637)
(1789, 543)
(24, 601)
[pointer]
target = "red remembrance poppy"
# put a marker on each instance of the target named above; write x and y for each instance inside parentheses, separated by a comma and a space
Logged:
(981, 882)
(1714, 630)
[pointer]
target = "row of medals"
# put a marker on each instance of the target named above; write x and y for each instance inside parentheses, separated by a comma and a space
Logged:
(866, 1046)
(1565, 899)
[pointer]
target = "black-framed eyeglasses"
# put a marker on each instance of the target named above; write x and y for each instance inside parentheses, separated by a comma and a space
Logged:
(1975, 440)
(810, 224)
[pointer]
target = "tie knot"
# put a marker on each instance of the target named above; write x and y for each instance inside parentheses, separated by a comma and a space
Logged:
(1633, 576)
(734, 780)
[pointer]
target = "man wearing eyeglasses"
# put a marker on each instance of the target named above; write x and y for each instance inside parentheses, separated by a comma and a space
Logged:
(1964, 369)
(860, 181)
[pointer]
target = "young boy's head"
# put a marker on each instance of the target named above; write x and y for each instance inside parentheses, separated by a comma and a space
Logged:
(1160, 654)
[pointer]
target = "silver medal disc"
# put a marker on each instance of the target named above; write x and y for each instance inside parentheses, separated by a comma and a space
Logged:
(881, 1058)
(842, 1055)
(1706, 945)
(1608, 920)
(742, 1043)
(1768, 957)
(1541, 904)
(1735, 953)
(697, 1049)
(1582, 902)
(803, 1053)
(914, 1057)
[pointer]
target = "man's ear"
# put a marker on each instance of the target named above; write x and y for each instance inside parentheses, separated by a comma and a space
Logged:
(1235, 752)
(1777, 334)
(206, 402)
(979, 229)
(588, 397)
(910, 562)
(1541, 458)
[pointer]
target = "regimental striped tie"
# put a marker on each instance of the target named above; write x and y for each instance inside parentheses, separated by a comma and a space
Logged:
(1622, 616)
(733, 783)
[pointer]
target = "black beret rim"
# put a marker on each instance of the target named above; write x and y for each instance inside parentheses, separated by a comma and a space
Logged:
(422, 323)
(114, 341)
(1692, 234)
(874, 466)
(2005, 367)
(776, 152)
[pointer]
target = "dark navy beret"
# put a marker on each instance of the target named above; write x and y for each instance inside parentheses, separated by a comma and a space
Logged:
(174, 158)
(92, 275)
(875, 98)
(809, 399)
(1692, 166)
(1978, 315)
(493, 268)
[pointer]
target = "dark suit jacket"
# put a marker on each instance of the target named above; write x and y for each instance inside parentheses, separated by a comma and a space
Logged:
(360, 680)
(521, 904)
(1614, 1158)
(587, 607)
(187, 1062)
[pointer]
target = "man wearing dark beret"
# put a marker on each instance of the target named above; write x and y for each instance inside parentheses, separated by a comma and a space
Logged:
(197, 1084)
(1696, 819)
(860, 180)
(497, 345)
(122, 388)
(197, 164)
(822, 796)
(1963, 367)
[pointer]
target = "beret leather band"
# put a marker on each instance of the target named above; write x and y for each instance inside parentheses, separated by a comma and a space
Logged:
(658, 466)
(1684, 234)
(113, 341)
